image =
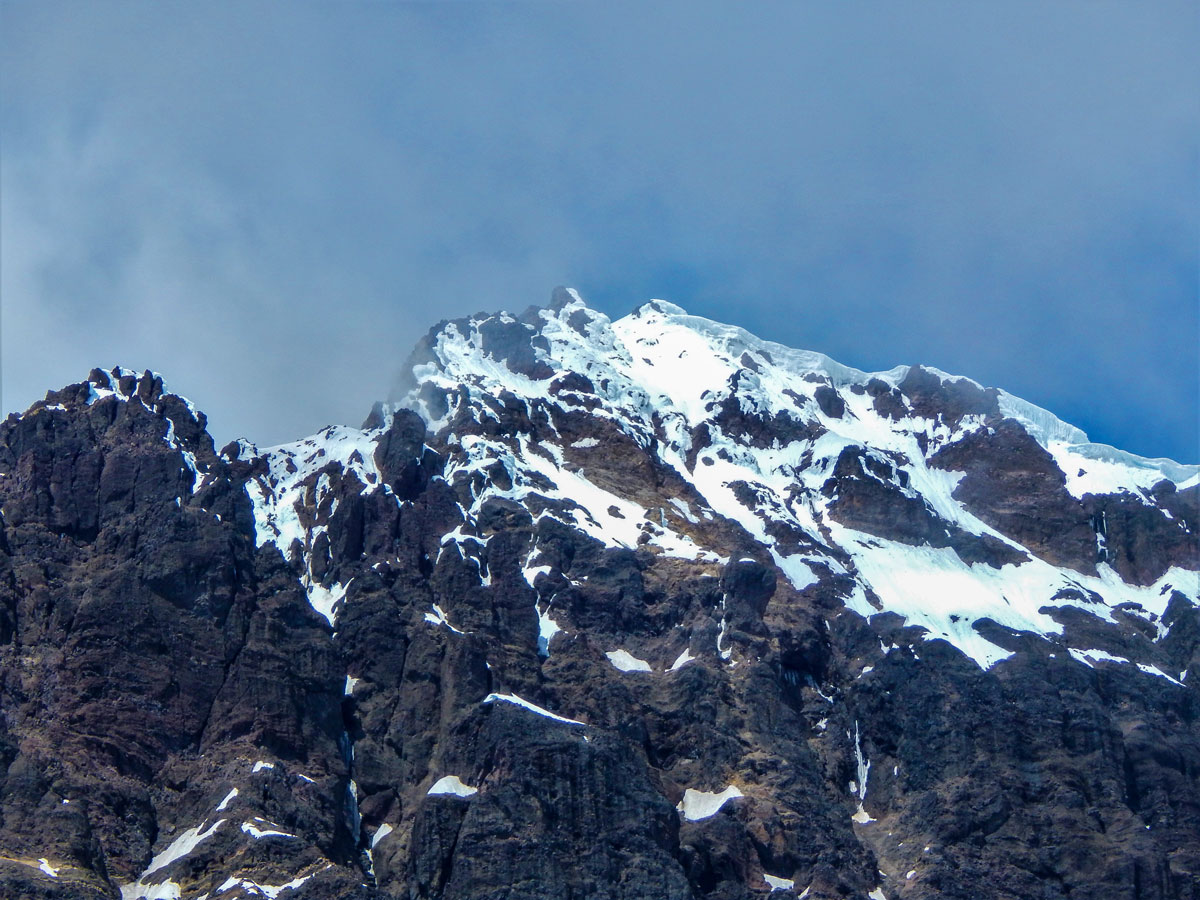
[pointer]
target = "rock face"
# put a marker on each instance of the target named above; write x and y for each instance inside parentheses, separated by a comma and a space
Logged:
(591, 609)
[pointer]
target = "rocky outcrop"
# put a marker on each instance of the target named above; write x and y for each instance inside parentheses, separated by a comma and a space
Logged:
(153, 655)
(870, 493)
(1013, 484)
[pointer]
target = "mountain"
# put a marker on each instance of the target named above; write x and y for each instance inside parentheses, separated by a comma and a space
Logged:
(645, 608)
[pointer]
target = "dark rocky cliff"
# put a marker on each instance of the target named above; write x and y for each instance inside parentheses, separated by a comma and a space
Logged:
(576, 628)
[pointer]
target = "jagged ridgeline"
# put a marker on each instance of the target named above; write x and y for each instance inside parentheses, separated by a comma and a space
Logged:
(647, 609)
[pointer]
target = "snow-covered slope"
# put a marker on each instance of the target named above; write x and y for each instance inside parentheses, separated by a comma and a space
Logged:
(560, 409)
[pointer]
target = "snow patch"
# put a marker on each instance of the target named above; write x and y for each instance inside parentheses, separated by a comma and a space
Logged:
(697, 805)
(228, 797)
(778, 884)
(532, 572)
(625, 662)
(681, 660)
(452, 785)
(177, 849)
(325, 599)
(438, 617)
(1101, 469)
(547, 628)
(267, 890)
(257, 832)
(684, 510)
(532, 707)
(1088, 657)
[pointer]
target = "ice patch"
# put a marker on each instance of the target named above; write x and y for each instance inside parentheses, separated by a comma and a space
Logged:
(797, 570)
(44, 865)
(260, 766)
(228, 797)
(862, 767)
(861, 816)
(778, 884)
(181, 847)
(165, 890)
(722, 651)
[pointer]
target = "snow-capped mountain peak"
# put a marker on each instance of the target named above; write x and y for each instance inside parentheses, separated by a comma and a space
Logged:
(637, 608)
(911, 490)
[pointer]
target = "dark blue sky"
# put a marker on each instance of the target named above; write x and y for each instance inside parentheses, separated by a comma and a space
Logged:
(270, 203)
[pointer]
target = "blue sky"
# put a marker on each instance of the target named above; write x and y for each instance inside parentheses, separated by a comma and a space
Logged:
(269, 203)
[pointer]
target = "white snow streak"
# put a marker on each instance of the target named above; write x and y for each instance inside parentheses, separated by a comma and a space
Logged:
(532, 707)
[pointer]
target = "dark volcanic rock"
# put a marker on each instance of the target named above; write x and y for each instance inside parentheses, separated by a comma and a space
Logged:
(830, 401)
(149, 647)
(1014, 485)
(1139, 541)
(952, 399)
(869, 493)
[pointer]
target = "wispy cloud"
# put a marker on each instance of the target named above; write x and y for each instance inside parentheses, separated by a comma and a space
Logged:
(270, 208)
